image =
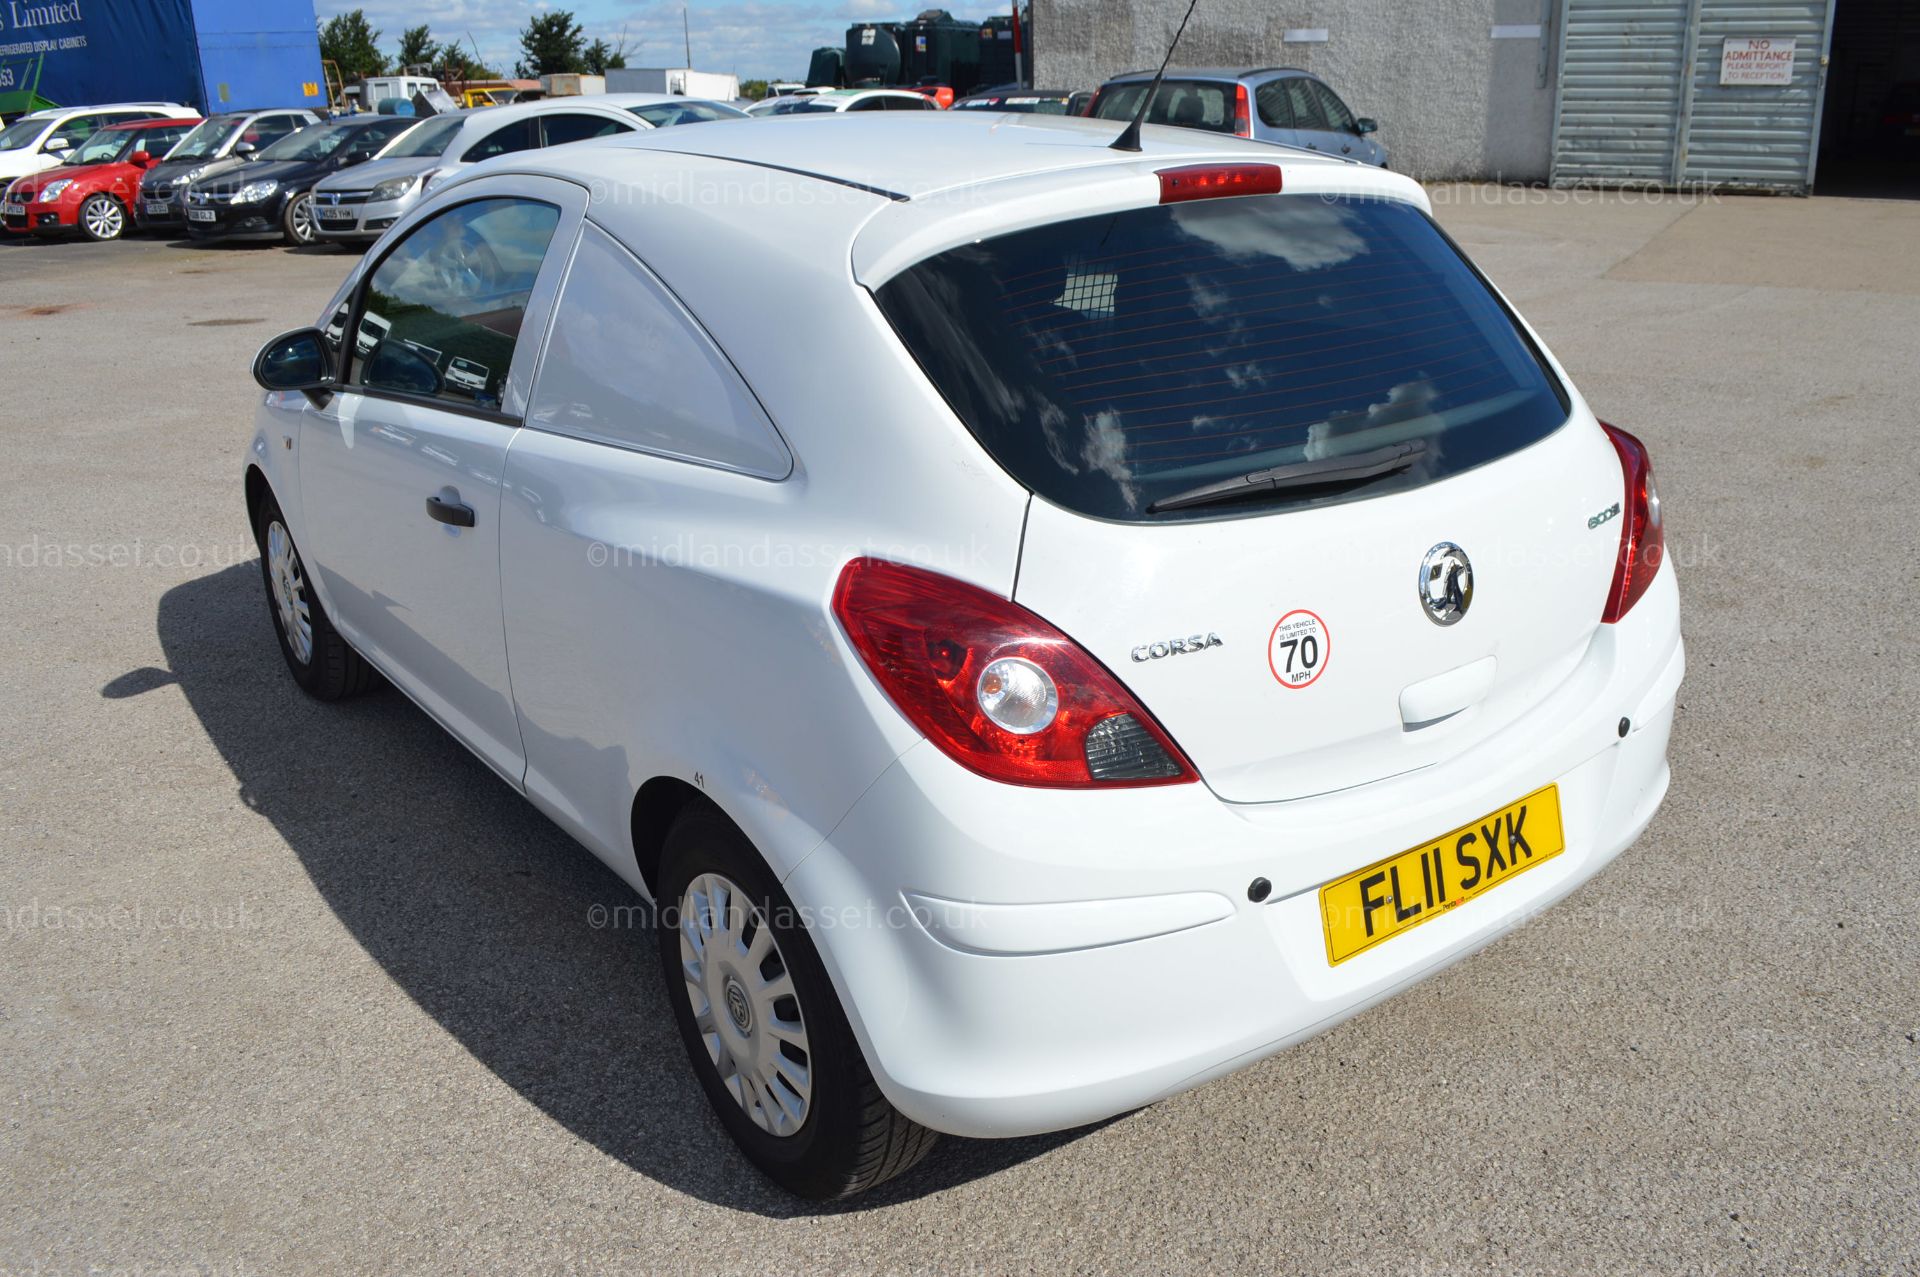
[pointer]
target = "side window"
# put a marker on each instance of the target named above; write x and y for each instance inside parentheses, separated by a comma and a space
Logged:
(440, 316)
(521, 135)
(627, 365)
(1339, 119)
(869, 104)
(562, 129)
(1306, 106)
(1271, 101)
(76, 130)
(274, 127)
(902, 104)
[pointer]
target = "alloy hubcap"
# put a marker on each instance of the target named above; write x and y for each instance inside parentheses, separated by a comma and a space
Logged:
(758, 1044)
(289, 592)
(303, 220)
(103, 219)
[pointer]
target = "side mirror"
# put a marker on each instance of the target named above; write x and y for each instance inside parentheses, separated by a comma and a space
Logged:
(141, 159)
(243, 149)
(55, 145)
(297, 361)
(396, 366)
(1366, 124)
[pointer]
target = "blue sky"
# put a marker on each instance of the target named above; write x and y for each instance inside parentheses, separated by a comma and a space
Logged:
(757, 39)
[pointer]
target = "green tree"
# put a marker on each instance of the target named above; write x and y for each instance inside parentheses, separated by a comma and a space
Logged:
(416, 47)
(755, 89)
(550, 44)
(350, 43)
(601, 57)
(452, 61)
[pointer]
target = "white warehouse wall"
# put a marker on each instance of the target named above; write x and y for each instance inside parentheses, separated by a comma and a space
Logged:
(1452, 101)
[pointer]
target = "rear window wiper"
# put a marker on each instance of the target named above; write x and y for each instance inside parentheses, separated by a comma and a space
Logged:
(1353, 468)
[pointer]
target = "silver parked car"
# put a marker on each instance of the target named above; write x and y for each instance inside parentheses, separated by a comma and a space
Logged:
(1268, 104)
(360, 205)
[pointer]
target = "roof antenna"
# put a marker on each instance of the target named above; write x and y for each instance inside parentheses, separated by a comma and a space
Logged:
(1129, 140)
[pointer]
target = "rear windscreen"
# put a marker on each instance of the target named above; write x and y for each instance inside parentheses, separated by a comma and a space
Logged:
(1115, 361)
(1191, 104)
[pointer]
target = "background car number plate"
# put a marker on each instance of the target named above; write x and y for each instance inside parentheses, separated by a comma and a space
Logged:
(15, 210)
(156, 210)
(334, 214)
(201, 214)
(1397, 894)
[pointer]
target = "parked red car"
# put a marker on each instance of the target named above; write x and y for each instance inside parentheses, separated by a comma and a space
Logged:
(96, 190)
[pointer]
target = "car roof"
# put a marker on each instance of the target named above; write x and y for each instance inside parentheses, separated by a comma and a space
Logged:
(1214, 73)
(904, 157)
(154, 122)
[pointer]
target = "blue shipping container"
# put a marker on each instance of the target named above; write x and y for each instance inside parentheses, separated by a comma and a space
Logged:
(217, 55)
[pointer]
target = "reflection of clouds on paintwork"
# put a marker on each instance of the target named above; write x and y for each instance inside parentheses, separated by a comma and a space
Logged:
(1306, 234)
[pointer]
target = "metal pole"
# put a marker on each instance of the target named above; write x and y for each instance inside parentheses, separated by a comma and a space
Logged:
(686, 33)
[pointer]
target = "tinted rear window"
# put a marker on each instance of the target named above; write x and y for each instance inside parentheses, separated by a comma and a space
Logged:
(1191, 104)
(1112, 361)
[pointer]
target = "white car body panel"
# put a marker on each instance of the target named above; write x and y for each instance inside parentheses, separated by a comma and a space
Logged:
(1012, 960)
(33, 158)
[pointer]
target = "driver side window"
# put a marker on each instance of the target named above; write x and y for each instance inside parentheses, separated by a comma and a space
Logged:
(440, 315)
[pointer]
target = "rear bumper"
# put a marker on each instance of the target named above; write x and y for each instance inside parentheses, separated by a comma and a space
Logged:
(1117, 958)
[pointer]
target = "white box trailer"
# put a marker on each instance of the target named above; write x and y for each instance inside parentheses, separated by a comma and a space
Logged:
(716, 86)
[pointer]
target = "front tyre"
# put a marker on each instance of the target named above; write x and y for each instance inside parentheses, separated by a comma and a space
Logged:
(296, 223)
(320, 661)
(761, 1023)
(102, 218)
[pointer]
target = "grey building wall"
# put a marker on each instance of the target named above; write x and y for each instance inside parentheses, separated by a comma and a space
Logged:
(1452, 101)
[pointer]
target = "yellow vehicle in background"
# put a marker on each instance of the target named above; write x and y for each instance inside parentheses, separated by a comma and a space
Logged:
(495, 92)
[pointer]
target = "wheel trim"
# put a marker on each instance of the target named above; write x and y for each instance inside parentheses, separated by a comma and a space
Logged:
(289, 592)
(744, 1005)
(302, 218)
(104, 218)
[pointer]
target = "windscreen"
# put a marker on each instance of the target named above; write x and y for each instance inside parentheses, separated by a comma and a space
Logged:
(207, 138)
(22, 133)
(309, 144)
(103, 146)
(431, 138)
(1113, 362)
(1190, 104)
(663, 114)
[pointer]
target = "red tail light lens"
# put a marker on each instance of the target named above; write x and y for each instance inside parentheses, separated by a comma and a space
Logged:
(1643, 541)
(1242, 113)
(959, 662)
(1211, 181)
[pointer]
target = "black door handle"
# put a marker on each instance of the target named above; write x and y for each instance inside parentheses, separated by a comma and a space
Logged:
(460, 516)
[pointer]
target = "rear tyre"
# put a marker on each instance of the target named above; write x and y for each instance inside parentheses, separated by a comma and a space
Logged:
(102, 218)
(320, 661)
(296, 223)
(761, 1023)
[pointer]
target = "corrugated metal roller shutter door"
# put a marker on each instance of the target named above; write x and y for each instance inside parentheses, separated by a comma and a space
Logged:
(1621, 75)
(1756, 135)
(1640, 99)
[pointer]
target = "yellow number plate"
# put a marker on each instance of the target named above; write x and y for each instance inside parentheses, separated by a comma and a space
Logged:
(1399, 893)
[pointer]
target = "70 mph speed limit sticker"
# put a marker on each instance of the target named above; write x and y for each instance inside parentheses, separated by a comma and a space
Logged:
(1297, 649)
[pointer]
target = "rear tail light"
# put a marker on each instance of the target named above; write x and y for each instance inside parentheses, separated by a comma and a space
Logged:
(996, 688)
(1211, 181)
(1093, 104)
(1643, 541)
(1242, 113)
